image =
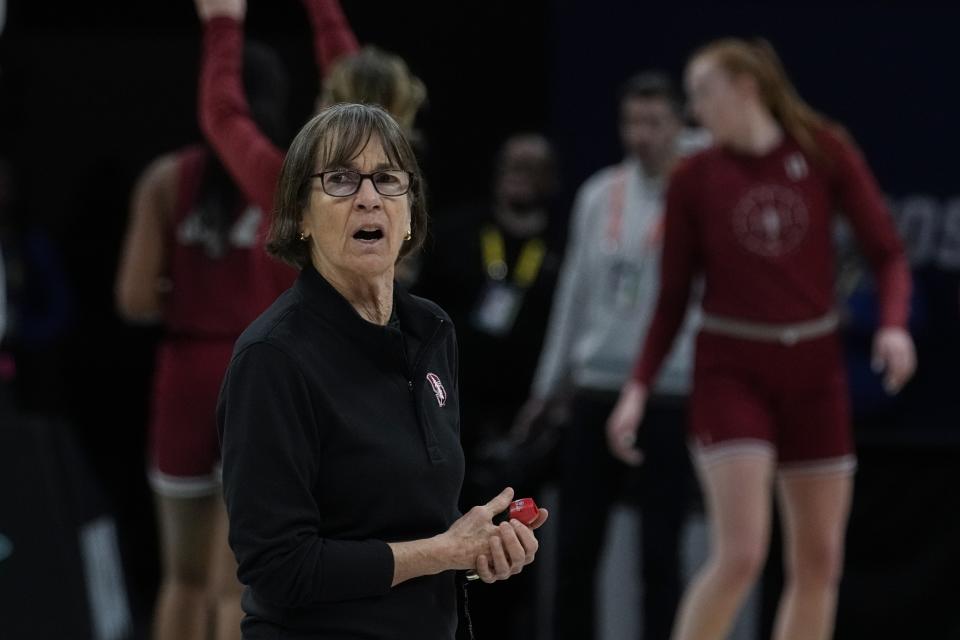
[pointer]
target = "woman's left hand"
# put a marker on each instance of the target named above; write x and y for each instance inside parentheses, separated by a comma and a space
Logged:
(895, 356)
(513, 547)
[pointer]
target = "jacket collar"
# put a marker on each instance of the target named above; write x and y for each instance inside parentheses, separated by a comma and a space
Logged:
(417, 320)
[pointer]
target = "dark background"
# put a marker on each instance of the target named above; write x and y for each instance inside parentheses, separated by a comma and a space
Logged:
(90, 92)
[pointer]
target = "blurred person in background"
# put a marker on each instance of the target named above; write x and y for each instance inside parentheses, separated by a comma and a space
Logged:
(339, 414)
(769, 406)
(348, 73)
(493, 266)
(601, 310)
(190, 261)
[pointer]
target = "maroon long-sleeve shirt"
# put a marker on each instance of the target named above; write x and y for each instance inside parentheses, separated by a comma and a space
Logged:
(759, 229)
(250, 157)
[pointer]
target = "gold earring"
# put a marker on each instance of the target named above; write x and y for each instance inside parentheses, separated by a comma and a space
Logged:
(303, 237)
(408, 236)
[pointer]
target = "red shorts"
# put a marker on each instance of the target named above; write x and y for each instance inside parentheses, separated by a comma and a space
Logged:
(789, 400)
(184, 448)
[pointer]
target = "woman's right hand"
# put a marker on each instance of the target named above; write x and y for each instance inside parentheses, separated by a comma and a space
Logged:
(209, 9)
(624, 422)
(496, 552)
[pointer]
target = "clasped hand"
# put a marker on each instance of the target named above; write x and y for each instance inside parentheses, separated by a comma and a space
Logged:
(496, 552)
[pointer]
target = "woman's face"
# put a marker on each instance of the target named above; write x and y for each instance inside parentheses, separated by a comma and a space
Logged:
(360, 235)
(717, 99)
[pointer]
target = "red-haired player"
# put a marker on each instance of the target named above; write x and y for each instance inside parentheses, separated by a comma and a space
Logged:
(753, 215)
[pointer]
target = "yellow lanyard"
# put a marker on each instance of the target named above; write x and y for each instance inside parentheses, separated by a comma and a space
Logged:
(528, 265)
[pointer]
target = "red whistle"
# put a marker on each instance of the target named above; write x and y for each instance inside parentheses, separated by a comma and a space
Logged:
(525, 510)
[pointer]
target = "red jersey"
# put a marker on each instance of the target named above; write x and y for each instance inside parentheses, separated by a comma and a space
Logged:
(217, 290)
(250, 157)
(759, 229)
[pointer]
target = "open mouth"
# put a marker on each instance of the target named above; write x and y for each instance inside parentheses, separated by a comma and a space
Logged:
(368, 235)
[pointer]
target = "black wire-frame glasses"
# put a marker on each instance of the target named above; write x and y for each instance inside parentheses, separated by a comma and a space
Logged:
(346, 182)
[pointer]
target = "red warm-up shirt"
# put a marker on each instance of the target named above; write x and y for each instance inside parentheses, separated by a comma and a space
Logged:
(214, 296)
(250, 157)
(759, 230)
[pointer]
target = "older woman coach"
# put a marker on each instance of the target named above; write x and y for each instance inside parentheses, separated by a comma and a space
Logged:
(339, 417)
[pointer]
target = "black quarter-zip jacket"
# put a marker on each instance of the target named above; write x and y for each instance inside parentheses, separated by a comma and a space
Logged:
(337, 437)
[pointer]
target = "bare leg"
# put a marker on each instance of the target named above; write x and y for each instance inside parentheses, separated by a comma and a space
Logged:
(815, 509)
(226, 589)
(738, 499)
(186, 528)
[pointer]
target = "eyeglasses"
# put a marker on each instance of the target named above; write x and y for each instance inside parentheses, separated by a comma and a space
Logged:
(343, 182)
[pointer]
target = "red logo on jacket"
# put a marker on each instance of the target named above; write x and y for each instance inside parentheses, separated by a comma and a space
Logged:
(438, 389)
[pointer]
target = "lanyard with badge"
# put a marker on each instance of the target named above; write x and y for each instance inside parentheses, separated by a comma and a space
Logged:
(624, 274)
(502, 296)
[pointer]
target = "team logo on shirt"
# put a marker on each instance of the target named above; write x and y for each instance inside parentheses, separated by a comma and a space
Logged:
(194, 231)
(771, 220)
(438, 389)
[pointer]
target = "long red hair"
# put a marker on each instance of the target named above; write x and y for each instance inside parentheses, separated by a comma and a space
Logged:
(759, 60)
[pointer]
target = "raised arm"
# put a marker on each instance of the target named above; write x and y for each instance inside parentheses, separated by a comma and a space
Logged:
(332, 37)
(224, 113)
